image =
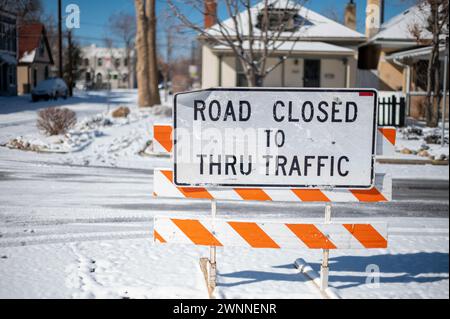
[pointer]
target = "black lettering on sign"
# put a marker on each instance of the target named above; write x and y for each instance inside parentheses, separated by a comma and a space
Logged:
(307, 111)
(334, 111)
(245, 111)
(230, 163)
(295, 167)
(201, 157)
(281, 164)
(267, 158)
(280, 138)
(249, 166)
(291, 112)
(307, 163)
(320, 164)
(268, 137)
(199, 108)
(218, 111)
(348, 107)
(324, 118)
(229, 112)
(275, 114)
(340, 170)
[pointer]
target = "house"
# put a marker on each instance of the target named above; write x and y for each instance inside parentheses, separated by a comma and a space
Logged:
(107, 67)
(8, 53)
(325, 55)
(35, 57)
(395, 56)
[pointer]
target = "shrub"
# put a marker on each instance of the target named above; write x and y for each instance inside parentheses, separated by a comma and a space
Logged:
(55, 121)
(122, 111)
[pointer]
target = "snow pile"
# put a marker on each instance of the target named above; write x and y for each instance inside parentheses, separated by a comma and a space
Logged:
(85, 131)
(423, 142)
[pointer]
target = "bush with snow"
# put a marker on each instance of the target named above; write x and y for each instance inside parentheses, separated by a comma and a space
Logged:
(55, 121)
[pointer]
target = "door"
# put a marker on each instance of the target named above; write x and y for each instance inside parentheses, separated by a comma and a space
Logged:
(311, 74)
(3, 78)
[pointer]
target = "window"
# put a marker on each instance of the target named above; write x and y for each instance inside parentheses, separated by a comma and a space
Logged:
(125, 62)
(86, 62)
(46, 72)
(100, 62)
(88, 77)
(41, 48)
(281, 19)
(117, 63)
(11, 75)
(34, 77)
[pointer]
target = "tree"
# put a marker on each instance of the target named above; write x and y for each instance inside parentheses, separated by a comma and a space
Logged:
(26, 10)
(123, 24)
(254, 33)
(74, 61)
(153, 63)
(146, 69)
(436, 13)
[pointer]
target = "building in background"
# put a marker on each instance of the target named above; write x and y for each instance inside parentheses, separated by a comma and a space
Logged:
(35, 57)
(326, 55)
(107, 68)
(8, 53)
(395, 56)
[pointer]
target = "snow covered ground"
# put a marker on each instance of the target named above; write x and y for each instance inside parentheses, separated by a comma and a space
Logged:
(79, 224)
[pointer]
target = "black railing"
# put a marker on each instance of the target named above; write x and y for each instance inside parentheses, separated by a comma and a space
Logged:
(391, 111)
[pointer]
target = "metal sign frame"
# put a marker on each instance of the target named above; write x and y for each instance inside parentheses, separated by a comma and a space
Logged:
(372, 92)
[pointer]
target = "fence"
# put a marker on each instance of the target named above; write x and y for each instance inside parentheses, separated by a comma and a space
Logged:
(391, 110)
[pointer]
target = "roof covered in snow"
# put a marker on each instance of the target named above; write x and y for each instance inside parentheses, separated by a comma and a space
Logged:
(94, 51)
(30, 37)
(314, 25)
(399, 27)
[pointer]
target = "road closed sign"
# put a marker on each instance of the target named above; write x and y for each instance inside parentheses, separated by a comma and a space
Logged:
(297, 138)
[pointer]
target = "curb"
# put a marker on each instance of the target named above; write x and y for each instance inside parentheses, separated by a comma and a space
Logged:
(306, 269)
(411, 161)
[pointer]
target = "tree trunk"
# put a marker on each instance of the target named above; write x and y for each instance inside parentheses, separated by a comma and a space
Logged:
(153, 61)
(433, 85)
(142, 55)
(429, 99)
(128, 66)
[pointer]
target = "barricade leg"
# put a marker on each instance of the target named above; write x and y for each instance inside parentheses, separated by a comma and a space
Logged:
(324, 269)
(212, 251)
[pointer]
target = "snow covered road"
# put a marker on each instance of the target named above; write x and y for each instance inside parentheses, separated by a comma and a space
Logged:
(75, 231)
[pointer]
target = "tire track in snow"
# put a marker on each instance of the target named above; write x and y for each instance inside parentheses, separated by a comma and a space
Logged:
(70, 238)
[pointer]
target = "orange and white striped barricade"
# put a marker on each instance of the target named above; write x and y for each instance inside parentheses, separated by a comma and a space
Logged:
(364, 143)
(163, 186)
(162, 139)
(163, 142)
(386, 138)
(269, 235)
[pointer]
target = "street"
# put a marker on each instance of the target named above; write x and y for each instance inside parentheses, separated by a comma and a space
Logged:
(130, 190)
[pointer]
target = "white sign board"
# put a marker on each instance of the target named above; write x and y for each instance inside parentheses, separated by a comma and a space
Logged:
(296, 138)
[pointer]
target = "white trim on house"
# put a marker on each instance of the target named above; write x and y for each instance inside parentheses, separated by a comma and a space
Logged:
(416, 54)
(296, 47)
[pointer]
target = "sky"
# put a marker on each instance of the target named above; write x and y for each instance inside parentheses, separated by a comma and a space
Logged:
(94, 16)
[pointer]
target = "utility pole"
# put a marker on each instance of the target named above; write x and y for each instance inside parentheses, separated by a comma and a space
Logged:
(169, 61)
(70, 65)
(444, 102)
(60, 39)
